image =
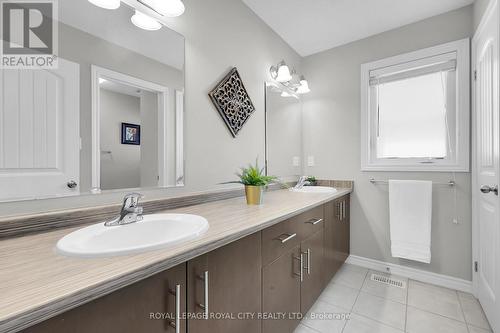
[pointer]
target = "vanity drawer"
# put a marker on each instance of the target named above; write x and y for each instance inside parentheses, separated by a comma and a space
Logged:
(310, 222)
(282, 237)
(278, 239)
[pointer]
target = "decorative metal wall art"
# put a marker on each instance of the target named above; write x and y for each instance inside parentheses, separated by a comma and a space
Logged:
(232, 101)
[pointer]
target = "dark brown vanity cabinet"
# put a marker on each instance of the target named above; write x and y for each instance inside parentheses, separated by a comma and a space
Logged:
(312, 282)
(223, 286)
(337, 235)
(149, 306)
(260, 283)
(293, 274)
(281, 292)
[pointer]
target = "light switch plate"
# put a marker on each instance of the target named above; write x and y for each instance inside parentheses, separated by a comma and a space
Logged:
(296, 161)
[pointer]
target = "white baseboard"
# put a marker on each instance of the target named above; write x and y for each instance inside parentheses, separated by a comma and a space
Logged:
(413, 273)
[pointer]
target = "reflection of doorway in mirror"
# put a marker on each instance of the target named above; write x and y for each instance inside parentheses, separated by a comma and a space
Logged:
(130, 135)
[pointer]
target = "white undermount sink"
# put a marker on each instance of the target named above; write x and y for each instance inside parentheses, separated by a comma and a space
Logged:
(153, 232)
(315, 189)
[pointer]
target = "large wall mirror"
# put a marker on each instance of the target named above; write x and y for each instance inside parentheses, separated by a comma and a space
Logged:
(283, 132)
(108, 118)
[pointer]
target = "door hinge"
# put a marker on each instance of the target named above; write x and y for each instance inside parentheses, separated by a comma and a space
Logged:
(476, 266)
(475, 75)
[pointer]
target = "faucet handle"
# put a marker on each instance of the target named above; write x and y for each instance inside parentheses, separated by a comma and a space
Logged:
(132, 199)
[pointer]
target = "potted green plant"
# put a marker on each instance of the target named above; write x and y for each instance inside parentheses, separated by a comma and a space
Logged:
(312, 181)
(255, 181)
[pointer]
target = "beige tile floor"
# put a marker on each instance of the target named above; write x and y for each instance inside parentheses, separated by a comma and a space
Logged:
(353, 303)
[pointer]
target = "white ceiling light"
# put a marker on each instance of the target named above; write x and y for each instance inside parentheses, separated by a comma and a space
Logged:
(169, 8)
(281, 72)
(106, 4)
(144, 21)
(304, 86)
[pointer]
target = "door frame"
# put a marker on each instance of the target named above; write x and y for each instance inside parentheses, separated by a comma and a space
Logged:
(490, 10)
(163, 93)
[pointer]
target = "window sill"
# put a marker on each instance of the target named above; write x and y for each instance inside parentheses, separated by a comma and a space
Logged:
(416, 168)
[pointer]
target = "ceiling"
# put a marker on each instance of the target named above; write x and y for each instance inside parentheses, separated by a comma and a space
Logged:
(115, 27)
(311, 26)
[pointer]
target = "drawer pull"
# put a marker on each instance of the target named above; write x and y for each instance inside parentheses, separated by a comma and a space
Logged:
(286, 237)
(177, 322)
(301, 260)
(314, 221)
(204, 306)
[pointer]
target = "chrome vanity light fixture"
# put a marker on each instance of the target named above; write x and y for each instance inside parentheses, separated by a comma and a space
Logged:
(144, 21)
(304, 86)
(167, 8)
(282, 74)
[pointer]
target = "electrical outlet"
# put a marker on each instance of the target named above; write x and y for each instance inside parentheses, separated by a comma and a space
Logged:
(310, 161)
(296, 161)
(455, 221)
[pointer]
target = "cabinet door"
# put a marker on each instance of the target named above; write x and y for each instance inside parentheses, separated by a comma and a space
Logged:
(281, 292)
(342, 230)
(233, 288)
(145, 306)
(312, 284)
(331, 264)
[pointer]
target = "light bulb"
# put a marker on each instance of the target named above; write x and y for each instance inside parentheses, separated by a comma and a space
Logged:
(304, 86)
(144, 21)
(106, 4)
(283, 74)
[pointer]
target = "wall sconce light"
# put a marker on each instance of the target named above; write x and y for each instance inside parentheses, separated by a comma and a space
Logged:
(304, 86)
(144, 21)
(167, 8)
(281, 72)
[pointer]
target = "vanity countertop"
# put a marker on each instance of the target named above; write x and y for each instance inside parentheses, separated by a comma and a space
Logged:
(36, 283)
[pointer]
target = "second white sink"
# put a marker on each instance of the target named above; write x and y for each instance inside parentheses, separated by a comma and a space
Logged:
(315, 189)
(153, 232)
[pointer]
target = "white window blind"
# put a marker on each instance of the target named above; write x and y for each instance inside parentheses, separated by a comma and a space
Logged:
(415, 110)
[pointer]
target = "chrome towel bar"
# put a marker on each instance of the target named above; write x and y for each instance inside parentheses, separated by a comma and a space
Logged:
(451, 183)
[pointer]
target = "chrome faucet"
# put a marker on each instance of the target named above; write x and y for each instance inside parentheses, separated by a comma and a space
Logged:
(301, 182)
(130, 212)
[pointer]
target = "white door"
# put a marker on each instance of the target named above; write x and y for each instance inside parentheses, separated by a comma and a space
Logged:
(39, 132)
(486, 166)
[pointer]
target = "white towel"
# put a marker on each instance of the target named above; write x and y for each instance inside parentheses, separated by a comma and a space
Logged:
(410, 207)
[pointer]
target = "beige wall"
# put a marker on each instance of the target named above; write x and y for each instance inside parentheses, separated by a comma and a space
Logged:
(219, 34)
(332, 134)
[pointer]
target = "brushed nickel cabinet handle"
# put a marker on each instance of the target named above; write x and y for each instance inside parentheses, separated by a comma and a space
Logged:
(301, 260)
(308, 256)
(177, 322)
(204, 305)
(343, 210)
(314, 221)
(285, 238)
(339, 215)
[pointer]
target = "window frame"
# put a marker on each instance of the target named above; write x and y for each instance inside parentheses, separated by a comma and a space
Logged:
(459, 160)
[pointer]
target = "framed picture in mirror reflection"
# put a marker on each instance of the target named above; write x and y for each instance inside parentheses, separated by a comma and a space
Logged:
(131, 134)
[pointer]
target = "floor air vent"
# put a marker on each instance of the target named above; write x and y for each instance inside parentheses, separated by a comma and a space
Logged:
(388, 280)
